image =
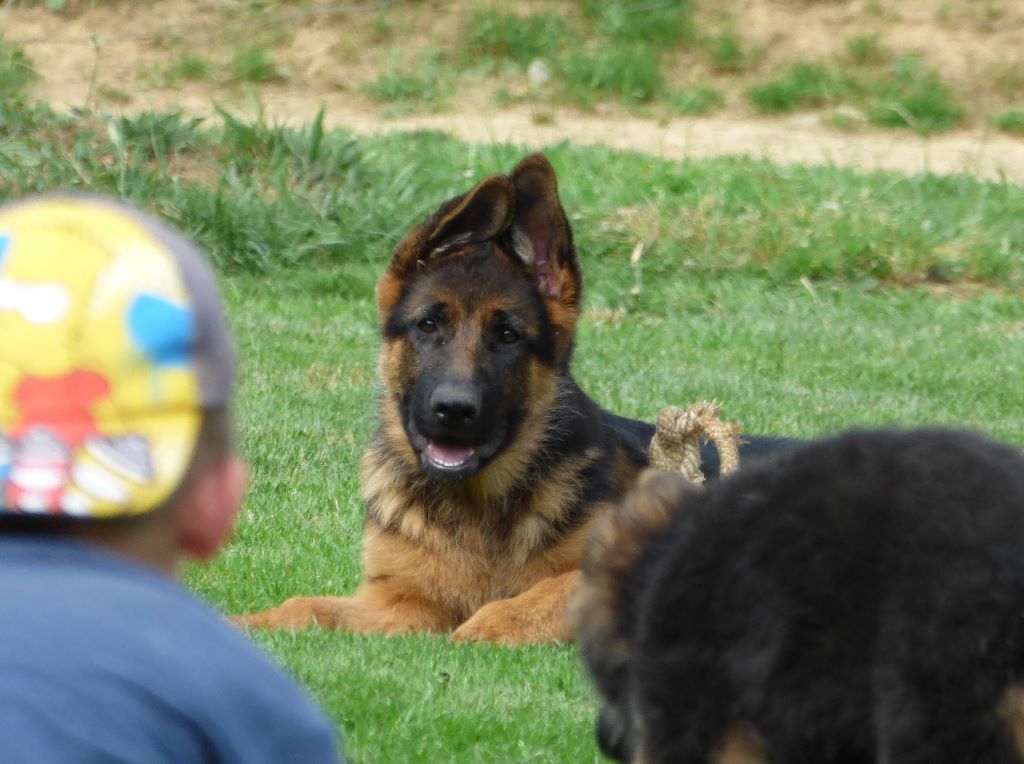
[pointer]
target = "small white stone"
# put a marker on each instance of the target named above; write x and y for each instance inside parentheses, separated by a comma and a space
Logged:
(538, 73)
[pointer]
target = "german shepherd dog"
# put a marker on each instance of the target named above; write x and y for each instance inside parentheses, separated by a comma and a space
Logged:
(855, 601)
(490, 462)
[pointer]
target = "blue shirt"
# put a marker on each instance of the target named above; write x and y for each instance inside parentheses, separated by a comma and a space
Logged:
(102, 660)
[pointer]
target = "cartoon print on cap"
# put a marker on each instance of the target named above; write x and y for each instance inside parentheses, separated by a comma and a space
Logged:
(61, 443)
(62, 404)
(42, 465)
(106, 468)
(36, 303)
(6, 458)
(55, 419)
(126, 456)
(162, 330)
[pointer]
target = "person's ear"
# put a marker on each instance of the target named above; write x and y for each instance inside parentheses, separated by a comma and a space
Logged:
(209, 506)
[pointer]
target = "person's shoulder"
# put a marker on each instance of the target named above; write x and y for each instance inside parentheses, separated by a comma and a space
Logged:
(236, 688)
(156, 642)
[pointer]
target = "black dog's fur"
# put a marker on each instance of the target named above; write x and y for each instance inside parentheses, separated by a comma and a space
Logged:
(857, 600)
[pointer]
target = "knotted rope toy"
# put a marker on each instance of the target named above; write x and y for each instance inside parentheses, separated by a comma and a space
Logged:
(675, 446)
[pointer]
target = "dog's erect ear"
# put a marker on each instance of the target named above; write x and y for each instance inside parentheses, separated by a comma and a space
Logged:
(477, 216)
(541, 236)
(481, 214)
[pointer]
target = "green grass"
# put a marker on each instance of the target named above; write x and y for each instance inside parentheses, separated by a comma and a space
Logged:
(905, 94)
(725, 49)
(1011, 121)
(658, 23)
(779, 291)
(16, 71)
(803, 86)
(700, 99)
(188, 67)
(505, 36)
(627, 72)
(913, 96)
(265, 195)
(427, 85)
(256, 64)
(865, 50)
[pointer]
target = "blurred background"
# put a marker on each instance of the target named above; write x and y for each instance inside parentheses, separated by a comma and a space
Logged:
(838, 81)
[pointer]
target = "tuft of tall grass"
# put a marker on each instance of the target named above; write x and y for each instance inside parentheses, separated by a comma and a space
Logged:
(907, 94)
(1011, 121)
(508, 36)
(254, 63)
(630, 72)
(188, 67)
(804, 85)
(913, 96)
(16, 71)
(429, 84)
(696, 100)
(865, 50)
(725, 49)
(657, 23)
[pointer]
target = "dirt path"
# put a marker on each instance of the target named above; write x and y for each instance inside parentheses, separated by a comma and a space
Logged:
(795, 141)
(110, 48)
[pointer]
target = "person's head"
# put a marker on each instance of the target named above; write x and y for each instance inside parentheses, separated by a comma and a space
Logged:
(116, 370)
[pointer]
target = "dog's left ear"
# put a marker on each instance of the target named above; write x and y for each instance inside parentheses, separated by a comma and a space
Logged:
(541, 237)
(481, 214)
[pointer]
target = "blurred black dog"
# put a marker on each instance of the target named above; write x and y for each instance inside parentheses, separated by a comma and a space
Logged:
(855, 600)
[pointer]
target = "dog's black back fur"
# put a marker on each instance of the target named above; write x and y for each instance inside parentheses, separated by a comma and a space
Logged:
(857, 600)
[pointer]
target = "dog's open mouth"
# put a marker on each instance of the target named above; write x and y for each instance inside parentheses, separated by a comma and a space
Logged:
(450, 456)
(442, 455)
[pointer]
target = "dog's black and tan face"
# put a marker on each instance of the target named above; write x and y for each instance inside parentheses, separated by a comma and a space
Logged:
(478, 308)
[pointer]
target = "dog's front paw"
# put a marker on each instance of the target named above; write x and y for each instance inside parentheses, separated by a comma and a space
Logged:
(511, 622)
(492, 623)
(293, 614)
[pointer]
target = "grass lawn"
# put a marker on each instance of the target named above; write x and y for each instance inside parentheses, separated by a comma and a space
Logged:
(806, 300)
(781, 358)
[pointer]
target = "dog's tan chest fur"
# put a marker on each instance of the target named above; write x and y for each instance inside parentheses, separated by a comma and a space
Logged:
(463, 551)
(458, 577)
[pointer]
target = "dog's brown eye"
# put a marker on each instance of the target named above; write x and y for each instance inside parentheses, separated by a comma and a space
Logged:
(427, 326)
(508, 336)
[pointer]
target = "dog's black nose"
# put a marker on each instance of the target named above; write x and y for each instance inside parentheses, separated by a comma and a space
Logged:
(455, 404)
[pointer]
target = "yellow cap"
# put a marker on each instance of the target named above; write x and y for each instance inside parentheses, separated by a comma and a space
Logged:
(102, 348)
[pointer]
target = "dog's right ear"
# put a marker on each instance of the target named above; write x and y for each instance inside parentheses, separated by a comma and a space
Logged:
(481, 214)
(541, 238)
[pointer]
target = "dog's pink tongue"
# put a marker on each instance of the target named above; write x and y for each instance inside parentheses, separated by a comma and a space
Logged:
(449, 454)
